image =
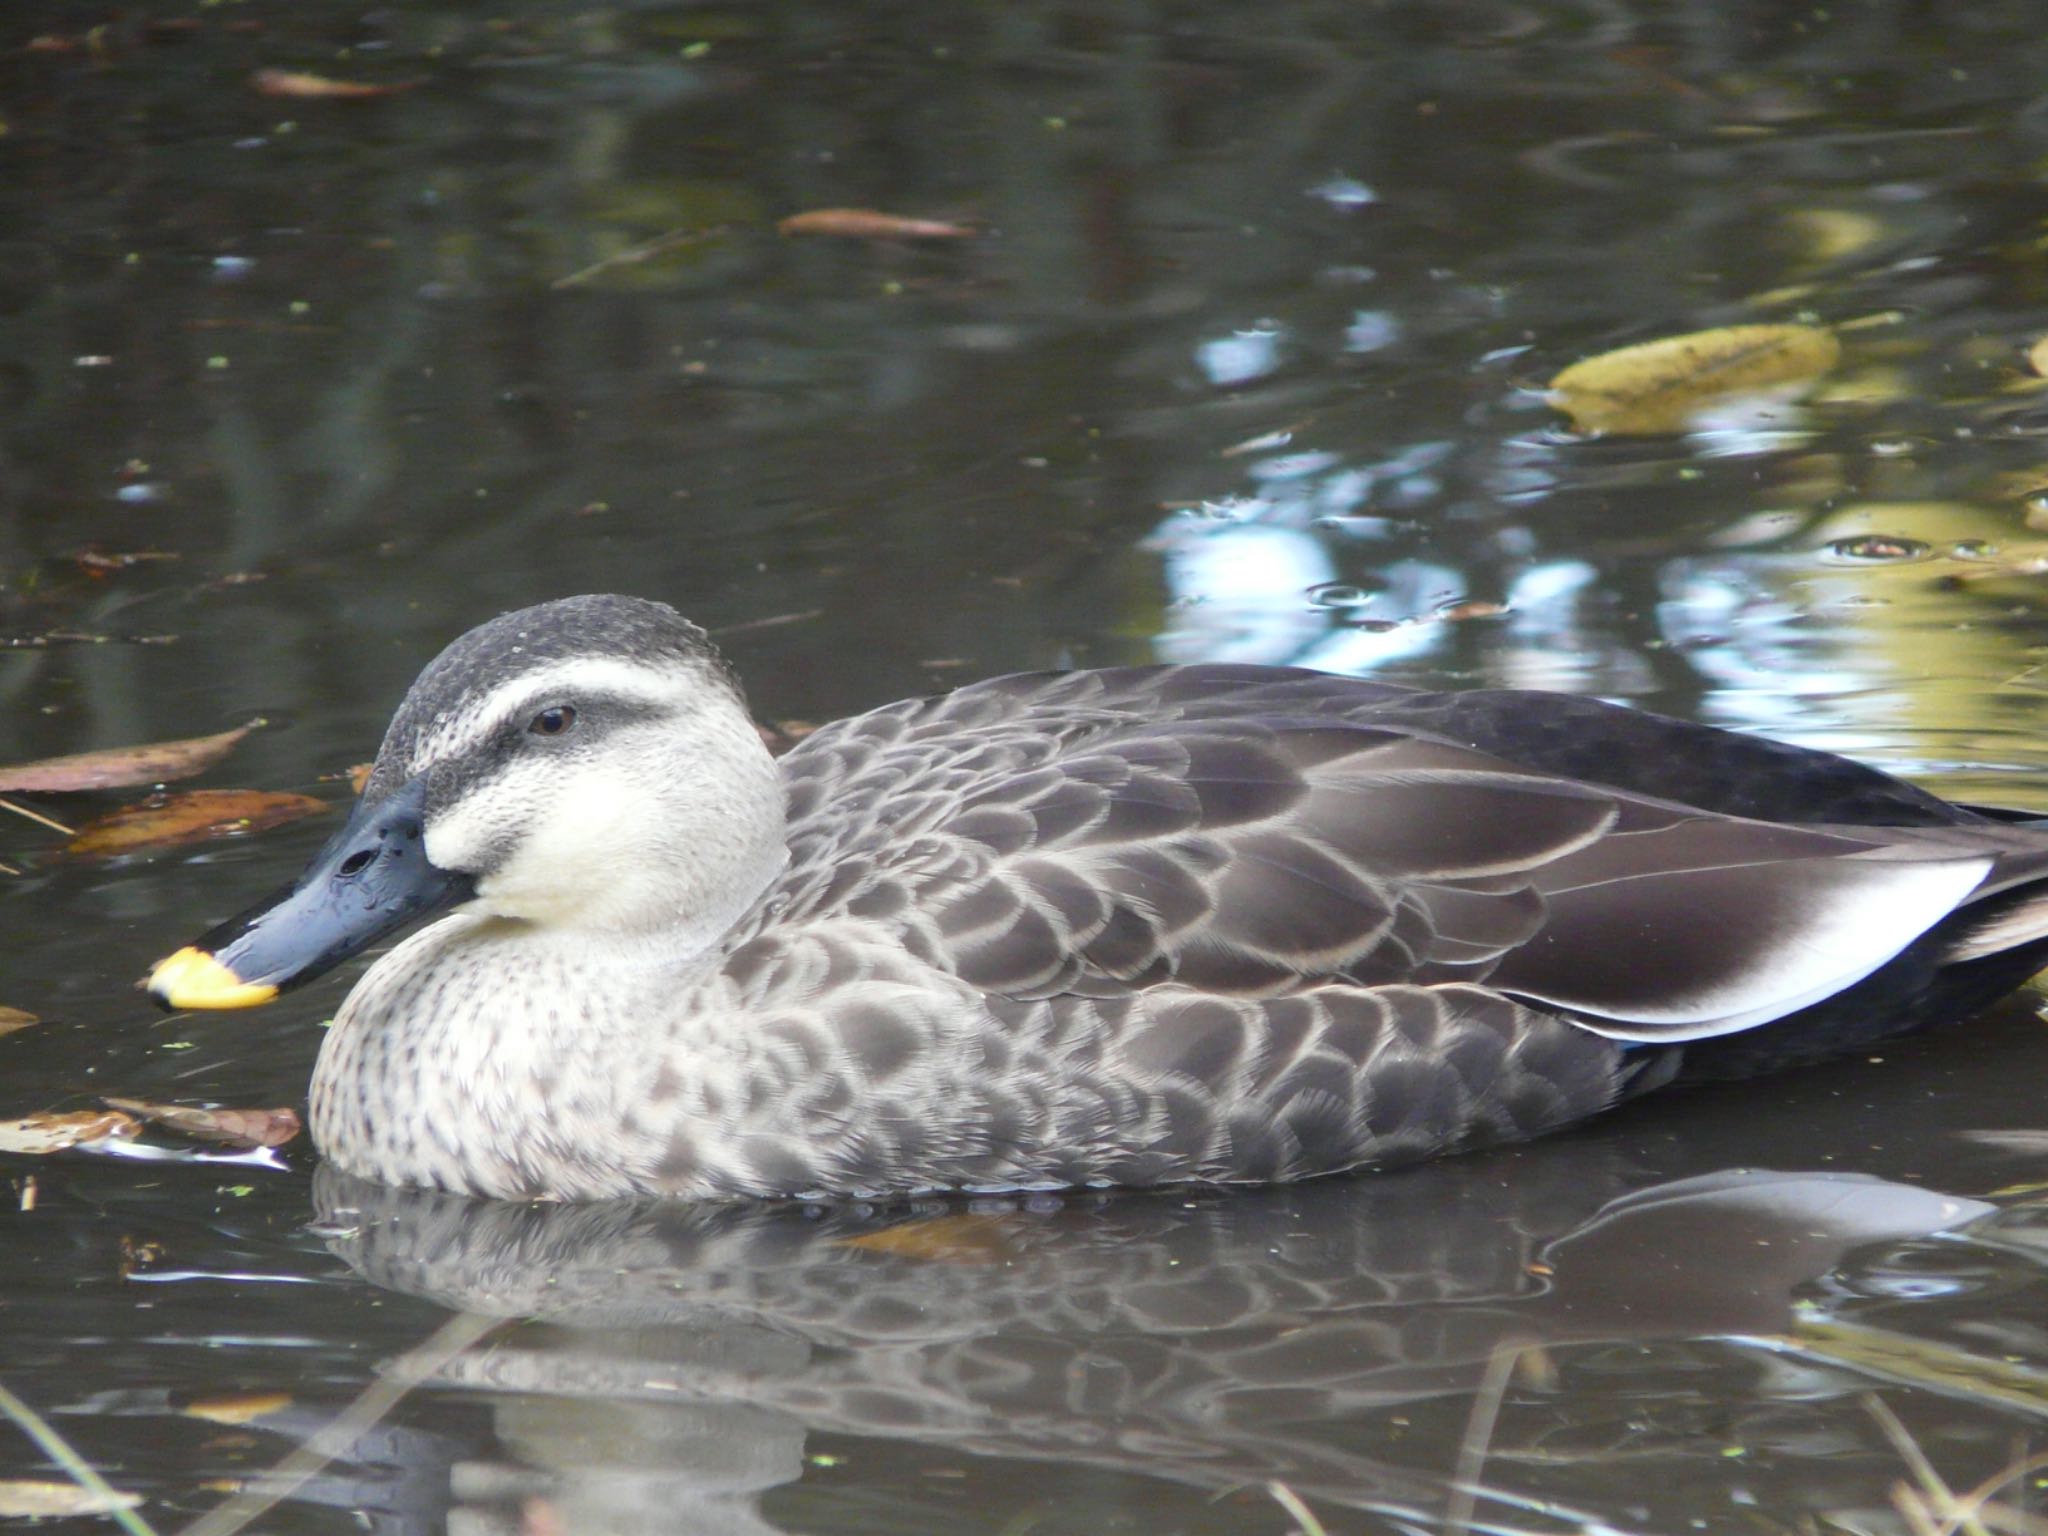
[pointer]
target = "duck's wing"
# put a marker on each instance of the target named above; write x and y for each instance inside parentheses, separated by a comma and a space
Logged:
(1260, 841)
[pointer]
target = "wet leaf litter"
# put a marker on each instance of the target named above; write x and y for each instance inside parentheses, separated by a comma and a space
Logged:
(39, 1134)
(229, 1127)
(164, 820)
(242, 1130)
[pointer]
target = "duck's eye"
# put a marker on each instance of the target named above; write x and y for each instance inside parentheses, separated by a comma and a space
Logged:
(556, 720)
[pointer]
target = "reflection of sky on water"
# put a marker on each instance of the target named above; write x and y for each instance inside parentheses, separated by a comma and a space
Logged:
(1242, 356)
(1786, 620)
(1328, 564)
(1328, 559)
(1284, 579)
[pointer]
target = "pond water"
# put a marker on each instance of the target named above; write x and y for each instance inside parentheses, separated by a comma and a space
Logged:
(1238, 353)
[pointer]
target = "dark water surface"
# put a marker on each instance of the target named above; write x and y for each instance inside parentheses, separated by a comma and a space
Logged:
(1243, 361)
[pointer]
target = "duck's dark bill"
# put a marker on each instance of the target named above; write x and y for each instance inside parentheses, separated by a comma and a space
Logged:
(371, 878)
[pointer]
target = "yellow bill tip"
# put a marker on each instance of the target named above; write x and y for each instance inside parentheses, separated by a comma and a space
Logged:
(194, 979)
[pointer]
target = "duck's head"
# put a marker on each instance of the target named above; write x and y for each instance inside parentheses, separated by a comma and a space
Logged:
(586, 765)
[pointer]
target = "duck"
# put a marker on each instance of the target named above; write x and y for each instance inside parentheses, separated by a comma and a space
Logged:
(1131, 926)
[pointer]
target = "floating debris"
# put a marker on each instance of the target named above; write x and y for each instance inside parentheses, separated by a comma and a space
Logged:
(1665, 386)
(871, 224)
(123, 767)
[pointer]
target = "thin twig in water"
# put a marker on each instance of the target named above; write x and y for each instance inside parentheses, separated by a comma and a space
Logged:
(37, 816)
(459, 1333)
(772, 621)
(1299, 1512)
(59, 1450)
(1937, 1494)
(1493, 1387)
(645, 251)
(1968, 1504)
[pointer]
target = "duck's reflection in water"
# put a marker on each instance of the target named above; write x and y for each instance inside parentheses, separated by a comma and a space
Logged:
(679, 1356)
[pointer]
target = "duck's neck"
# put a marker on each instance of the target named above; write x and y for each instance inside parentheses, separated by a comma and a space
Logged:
(501, 1058)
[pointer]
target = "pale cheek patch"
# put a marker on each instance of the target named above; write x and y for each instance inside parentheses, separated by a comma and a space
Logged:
(470, 835)
(582, 852)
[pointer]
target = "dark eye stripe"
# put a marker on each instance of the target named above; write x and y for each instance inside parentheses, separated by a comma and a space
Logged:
(589, 717)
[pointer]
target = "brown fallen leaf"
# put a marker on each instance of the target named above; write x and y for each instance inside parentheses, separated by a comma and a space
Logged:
(1664, 386)
(195, 815)
(37, 1134)
(12, 1019)
(123, 767)
(2037, 356)
(358, 776)
(871, 224)
(28, 1498)
(960, 1239)
(305, 87)
(241, 1408)
(230, 1127)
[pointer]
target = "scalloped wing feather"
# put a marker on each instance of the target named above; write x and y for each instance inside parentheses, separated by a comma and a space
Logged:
(1254, 834)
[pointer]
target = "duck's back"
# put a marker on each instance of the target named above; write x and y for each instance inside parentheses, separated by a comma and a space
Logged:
(1249, 922)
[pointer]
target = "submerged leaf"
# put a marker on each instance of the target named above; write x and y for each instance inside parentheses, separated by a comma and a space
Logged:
(231, 1127)
(37, 1134)
(123, 767)
(196, 815)
(12, 1019)
(243, 1408)
(28, 1498)
(1664, 386)
(961, 1239)
(870, 224)
(305, 87)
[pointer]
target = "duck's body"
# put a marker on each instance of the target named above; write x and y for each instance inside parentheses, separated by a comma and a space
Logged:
(1122, 927)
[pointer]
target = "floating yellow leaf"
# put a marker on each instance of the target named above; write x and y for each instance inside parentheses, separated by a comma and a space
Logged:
(166, 821)
(242, 1408)
(12, 1019)
(28, 1498)
(2037, 356)
(962, 1239)
(1666, 386)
